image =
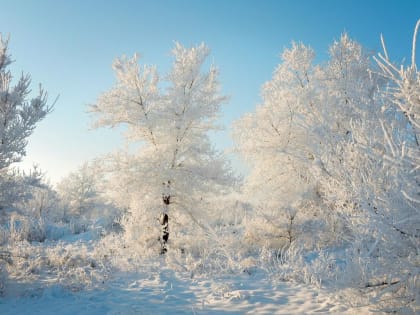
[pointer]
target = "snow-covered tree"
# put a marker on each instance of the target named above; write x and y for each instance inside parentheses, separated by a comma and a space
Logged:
(279, 144)
(79, 191)
(43, 203)
(316, 142)
(397, 214)
(19, 114)
(83, 199)
(404, 95)
(300, 141)
(338, 143)
(349, 105)
(273, 139)
(176, 166)
(18, 187)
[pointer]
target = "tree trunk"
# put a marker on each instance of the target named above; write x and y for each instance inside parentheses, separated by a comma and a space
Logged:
(164, 218)
(164, 221)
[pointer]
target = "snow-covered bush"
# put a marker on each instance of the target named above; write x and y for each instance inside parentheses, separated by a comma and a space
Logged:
(73, 266)
(83, 199)
(44, 204)
(33, 206)
(18, 188)
(24, 228)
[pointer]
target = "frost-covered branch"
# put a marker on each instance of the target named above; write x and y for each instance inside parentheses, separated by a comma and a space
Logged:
(176, 166)
(19, 114)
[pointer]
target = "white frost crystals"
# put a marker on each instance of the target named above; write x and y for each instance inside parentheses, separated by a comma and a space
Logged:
(334, 156)
(176, 168)
(331, 199)
(18, 114)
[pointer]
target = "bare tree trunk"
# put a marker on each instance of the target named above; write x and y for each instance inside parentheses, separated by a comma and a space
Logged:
(164, 221)
(164, 217)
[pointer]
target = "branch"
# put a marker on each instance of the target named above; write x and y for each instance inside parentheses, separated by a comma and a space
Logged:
(145, 114)
(413, 52)
(404, 233)
(380, 284)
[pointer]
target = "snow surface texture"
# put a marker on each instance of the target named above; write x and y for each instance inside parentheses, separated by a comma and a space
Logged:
(168, 292)
(68, 277)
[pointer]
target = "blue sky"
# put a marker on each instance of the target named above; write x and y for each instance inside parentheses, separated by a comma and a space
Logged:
(69, 47)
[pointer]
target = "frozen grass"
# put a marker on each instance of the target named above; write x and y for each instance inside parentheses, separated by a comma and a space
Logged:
(218, 269)
(64, 279)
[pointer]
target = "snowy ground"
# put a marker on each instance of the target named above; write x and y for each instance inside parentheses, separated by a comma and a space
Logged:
(169, 292)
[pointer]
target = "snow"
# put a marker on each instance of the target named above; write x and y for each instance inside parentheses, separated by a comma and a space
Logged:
(158, 288)
(326, 222)
(169, 292)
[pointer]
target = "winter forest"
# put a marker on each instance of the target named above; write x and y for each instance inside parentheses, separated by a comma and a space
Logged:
(328, 208)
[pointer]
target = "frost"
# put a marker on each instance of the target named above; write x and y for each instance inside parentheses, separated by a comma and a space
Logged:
(326, 221)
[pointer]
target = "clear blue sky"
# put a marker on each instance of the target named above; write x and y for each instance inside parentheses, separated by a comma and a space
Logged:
(69, 47)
